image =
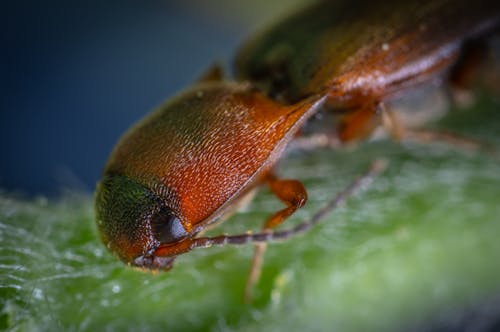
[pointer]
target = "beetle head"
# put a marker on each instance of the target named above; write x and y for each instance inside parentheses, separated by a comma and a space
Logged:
(134, 222)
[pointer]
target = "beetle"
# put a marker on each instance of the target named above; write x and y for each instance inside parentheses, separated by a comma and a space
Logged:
(361, 54)
(183, 166)
(190, 162)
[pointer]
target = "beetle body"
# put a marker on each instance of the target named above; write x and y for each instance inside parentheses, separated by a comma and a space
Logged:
(361, 53)
(180, 168)
(185, 165)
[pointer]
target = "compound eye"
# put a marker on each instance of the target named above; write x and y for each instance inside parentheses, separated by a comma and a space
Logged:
(167, 228)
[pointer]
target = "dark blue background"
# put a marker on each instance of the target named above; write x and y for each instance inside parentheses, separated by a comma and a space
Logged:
(76, 74)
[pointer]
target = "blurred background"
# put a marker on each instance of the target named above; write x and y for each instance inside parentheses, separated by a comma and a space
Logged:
(76, 74)
(417, 252)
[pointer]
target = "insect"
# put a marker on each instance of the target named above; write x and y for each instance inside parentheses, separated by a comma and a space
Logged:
(360, 54)
(192, 160)
(182, 167)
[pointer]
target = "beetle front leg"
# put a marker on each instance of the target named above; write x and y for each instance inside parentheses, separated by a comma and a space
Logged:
(294, 195)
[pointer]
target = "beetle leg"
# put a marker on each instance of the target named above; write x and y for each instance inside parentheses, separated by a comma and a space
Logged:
(354, 126)
(214, 73)
(425, 136)
(360, 123)
(314, 141)
(399, 132)
(392, 123)
(467, 70)
(294, 195)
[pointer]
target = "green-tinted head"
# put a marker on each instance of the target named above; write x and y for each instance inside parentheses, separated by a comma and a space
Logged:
(134, 222)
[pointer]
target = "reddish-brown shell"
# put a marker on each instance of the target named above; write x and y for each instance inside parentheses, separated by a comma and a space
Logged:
(206, 147)
(363, 50)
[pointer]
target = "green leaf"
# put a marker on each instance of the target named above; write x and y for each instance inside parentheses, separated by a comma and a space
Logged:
(421, 243)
